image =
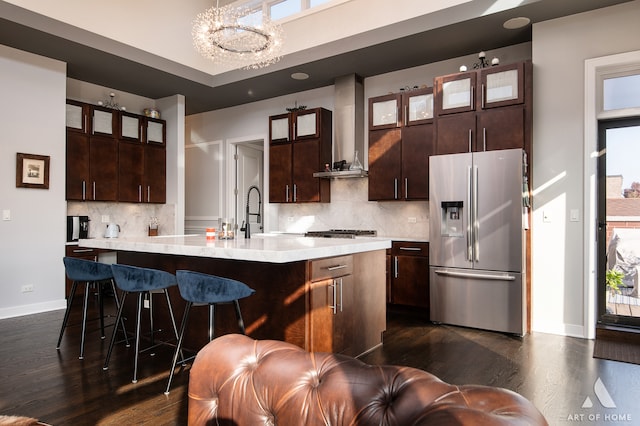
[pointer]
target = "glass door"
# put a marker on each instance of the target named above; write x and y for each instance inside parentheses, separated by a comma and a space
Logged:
(619, 221)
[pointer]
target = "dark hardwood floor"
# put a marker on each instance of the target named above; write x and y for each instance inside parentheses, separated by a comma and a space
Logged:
(556, 373)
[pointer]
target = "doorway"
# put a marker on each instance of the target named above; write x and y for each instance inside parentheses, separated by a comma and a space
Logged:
(619, 222)
(249, 166)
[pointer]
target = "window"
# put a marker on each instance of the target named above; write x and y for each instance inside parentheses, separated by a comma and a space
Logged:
(621, 92)
(284, 8)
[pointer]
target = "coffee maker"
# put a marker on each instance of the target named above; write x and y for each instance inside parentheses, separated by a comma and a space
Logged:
(77, 227)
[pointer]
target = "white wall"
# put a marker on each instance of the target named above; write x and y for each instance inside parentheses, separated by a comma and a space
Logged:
(32, 119)
(560, 48)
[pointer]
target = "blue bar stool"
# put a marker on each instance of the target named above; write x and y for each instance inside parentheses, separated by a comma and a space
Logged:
(90, 273)
(144, 282)
(203, 289)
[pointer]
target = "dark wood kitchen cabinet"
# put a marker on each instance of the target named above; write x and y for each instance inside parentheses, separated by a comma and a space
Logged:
(299, 145)
(91, 170)
(483, 110)
(91, 153)
(141, 173)
(142, 159)
(332, 305)
(401, 139)
(409, 274)
(114, 155)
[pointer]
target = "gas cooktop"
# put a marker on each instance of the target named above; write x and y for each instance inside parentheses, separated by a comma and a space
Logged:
(342, 233)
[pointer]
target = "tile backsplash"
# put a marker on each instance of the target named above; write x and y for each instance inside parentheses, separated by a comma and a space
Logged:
(350, 209)
(133, 218)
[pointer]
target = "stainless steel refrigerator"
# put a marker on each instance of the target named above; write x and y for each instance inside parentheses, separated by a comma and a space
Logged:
(478, 213)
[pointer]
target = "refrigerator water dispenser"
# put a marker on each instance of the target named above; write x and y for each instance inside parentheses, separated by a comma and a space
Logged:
(451, 225)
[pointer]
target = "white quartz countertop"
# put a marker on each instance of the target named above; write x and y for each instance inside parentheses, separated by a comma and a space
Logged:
(276, 248)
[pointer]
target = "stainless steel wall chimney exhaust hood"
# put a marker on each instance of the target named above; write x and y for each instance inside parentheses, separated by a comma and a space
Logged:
(349, 126)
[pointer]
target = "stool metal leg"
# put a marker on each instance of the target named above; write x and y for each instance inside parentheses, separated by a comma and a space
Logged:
(138, 318)
(84, 318)
(173, 318)
(74, 286)
(212, 320)
(239, 315)
(115, 325)
(99, 288)
(178, 350)
(115, 330)
(153, 339)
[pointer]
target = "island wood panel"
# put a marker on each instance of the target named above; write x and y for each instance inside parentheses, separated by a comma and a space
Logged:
(276, 311)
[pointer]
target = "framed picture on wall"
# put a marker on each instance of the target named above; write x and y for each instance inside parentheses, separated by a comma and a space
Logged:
(32, 171)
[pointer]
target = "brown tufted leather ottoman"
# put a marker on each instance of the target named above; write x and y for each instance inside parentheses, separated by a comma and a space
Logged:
(236, 380)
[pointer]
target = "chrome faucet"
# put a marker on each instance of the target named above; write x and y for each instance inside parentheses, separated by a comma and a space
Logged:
(248, 214)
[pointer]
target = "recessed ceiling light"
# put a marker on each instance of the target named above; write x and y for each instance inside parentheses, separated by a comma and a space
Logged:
(299, 76)
(515, 23)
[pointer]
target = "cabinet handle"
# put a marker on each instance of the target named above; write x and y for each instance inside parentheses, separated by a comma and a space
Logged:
(473, 98)
(395, 188)
(148, 193)
(395, 266)
(295, 192)
(334, 305)
(470, 136)
(406, 114)
(82, 250)
(94, 190)
(139, 193)
(411, 248)
(484, 138)
(84, 190)
(340, 284)
(482, 98)
(406, 187)
(286, 193)
(336, 267)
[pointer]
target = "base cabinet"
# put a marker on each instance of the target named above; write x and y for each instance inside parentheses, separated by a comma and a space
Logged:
(409, 274)
(331, 301)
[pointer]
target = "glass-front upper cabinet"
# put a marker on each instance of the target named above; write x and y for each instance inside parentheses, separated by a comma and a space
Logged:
(456, 93)
(501, 86)
(130, 127)
(307, 124)
(77, 118)
(155, 131)
(418, 106)
(385, 111)
(279, 128)
(103, 120)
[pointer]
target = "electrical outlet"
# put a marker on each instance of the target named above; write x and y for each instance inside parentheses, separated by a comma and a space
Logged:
(105, 218)
(413, 220)
(6, 214)
(27, 288)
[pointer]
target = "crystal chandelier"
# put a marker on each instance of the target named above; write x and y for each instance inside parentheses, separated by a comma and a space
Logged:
(237, 36)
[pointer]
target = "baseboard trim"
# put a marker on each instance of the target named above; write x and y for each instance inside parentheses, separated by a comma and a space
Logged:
(35, 308)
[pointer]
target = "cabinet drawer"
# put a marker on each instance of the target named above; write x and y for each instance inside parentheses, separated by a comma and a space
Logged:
(332, 267)
(73, 250)
(409, 248)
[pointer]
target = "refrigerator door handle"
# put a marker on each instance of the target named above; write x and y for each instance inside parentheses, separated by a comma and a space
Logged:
(476, 223)
(470, 217)
(457, 274)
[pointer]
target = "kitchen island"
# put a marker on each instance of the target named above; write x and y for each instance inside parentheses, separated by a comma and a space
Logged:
(322, 294)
